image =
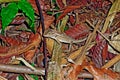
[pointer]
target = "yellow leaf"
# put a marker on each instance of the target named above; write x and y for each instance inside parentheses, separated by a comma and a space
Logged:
(112, 12)
(50, 44)
(63, 23)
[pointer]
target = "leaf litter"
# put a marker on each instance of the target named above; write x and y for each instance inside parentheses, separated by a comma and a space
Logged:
(96, 21)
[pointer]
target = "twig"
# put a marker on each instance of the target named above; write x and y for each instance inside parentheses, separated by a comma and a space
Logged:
(97, 30)
(44, 40)
(2, 78)
(112, 61)
(82, 55)
(20, 69)
(25, 62)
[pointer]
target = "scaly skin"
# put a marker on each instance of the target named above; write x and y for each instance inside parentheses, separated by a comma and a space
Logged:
(60, 37)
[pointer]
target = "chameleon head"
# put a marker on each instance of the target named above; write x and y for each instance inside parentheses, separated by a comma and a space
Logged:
(49, 33)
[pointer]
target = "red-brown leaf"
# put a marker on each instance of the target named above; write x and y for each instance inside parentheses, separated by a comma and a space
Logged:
(105, 52)
(14, 50)
(29, 55)
(10, 41)
(18, 20)
(67, 10)
(78, 31)
(60, 4)
(76, 70)
(102, 74)
(3, 49)
(96, 53)
(72, 19)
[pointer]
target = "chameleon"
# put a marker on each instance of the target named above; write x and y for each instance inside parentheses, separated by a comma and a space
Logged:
(61, 37)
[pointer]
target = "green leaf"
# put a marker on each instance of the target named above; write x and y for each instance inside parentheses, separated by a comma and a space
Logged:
(35, 77)
(8, 13)
(57, 15)
(23, 0)
(49, 12)
(29, 12)
(66, 28)
(21, 77)
(63, 23)
(54, 1)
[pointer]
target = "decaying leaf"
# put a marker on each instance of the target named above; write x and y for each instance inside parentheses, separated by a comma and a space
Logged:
(93, 56)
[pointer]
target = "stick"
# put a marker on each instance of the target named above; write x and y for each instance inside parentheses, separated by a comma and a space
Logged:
(44, 41)
(21, 69)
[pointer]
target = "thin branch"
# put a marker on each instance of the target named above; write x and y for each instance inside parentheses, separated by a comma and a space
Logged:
(21, 69)
(44, 40)
(112, 61)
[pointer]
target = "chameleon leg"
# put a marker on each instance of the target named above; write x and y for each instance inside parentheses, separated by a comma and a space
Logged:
(69, 48)
(60, 44)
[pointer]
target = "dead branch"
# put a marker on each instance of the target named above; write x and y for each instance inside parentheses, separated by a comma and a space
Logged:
(20, 69)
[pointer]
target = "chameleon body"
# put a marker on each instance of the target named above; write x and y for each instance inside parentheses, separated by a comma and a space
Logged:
(61, 37)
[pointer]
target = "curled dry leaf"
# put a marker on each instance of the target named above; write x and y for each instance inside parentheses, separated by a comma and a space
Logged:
(98, 73)
(76, 71)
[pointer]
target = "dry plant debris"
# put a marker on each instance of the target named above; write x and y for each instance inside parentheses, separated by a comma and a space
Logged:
(79, 39)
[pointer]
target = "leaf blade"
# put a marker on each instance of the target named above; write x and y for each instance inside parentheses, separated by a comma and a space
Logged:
(29, 12)
(8, 14)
